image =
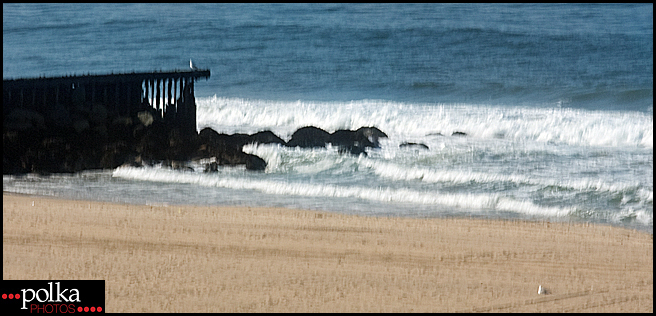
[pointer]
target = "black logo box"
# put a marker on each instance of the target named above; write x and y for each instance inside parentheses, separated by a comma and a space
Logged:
(91, 294)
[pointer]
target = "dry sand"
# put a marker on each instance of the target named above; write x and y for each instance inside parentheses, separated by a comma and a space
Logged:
(232, 259)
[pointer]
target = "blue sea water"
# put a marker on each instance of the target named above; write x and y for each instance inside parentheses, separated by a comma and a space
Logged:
(556, 99)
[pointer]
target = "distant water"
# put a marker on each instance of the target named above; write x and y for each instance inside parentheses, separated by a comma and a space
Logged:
(556, 101)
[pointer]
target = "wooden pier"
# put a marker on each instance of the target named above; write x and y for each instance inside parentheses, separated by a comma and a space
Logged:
(169, 94)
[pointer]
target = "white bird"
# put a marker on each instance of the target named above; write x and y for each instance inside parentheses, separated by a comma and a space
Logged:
(191, 65)
(542, 290)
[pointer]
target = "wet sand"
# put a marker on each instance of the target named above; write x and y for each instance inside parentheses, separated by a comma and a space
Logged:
(241, 259)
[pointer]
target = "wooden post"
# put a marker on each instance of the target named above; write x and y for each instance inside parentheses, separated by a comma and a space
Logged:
(159, 96)
(175, 94)
(128, 105)
(117, 92)
(192, 108)
(181, 90)
(144, 88)
(169, 91)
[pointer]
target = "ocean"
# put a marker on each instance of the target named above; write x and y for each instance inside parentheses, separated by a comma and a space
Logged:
(556, 101)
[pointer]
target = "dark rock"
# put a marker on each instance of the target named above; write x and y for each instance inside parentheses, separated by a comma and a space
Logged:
(81, 125)
(355, 142)
(182, 145)
(434, 134)
(211, 167)
(208, 135)
(255, 163)
(459, 134)
(155, 142)
(309, 137)
(31, 148)
(237, 139)
(176, 165)
(122, 121)
(120, 129)
(266, 137)
(353, 150)
(23, 120)
(347, 138)
(372, 133)
(58, 117)
(146, 118)
(115, 154)
(227, 155)
(416, 145)
(98, 114)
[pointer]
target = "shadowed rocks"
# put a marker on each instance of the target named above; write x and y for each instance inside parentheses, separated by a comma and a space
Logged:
(107, 141)
(227, 149)
(103, 140)
(347, 141)
(309, 137)
(413, 145)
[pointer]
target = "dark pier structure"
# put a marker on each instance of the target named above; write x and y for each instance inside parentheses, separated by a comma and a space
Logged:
(169, 94)
(74, 123)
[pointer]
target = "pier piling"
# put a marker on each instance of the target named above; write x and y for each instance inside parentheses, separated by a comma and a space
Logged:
(124, 94)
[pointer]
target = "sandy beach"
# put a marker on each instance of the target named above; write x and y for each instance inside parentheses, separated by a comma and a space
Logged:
(240, 259)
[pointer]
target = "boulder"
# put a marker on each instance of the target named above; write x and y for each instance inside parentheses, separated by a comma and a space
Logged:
(98, 114)
(353, 150)
(347, 138)
(266, 137)
(24, 119)
(211, 167)
(146, 118)
(177, 165)
(255, 163)
(81, 125)
(208, 135)
(182, 146)
(415, 145)
(122, 121)
(115, 154)
(309, 137)
(371, 133)
(154, 143)
(58, 117)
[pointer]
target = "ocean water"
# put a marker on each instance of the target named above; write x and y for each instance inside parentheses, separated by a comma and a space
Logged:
(556, 101)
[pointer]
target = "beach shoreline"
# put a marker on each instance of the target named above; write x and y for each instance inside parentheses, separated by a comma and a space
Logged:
(250, 259)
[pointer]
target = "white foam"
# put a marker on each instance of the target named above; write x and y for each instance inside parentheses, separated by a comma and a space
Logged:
(388, 195)
(403, 120)
(398, 172)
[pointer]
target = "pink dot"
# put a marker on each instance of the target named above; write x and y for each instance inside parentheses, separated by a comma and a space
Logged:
(11, 296)
(99, 309)
(86, 309)
(79, 309)
(4, 296)
(17, 296)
